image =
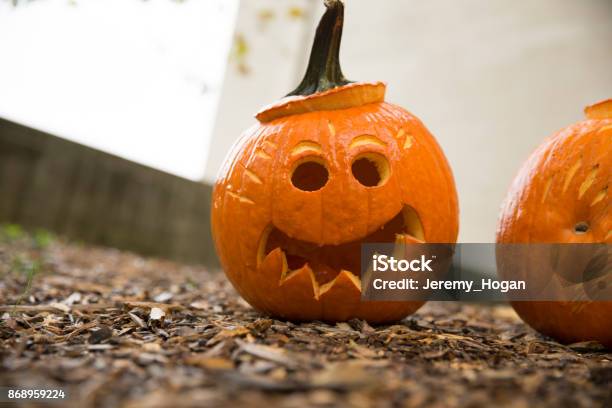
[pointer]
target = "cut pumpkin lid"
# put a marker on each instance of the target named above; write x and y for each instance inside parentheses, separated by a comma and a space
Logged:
(342, 97)
(324, 86)
(599, 110)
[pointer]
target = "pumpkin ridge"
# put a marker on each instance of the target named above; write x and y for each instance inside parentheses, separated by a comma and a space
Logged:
(260, 139)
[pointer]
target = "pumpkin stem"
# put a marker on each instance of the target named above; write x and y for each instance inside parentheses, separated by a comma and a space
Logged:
(323, 70)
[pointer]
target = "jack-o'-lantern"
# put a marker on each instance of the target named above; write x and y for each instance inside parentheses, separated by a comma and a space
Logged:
(561, 196)
(328, 168)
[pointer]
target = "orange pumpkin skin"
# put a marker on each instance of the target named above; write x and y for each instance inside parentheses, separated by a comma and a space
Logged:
(565, 183)
(254, 194)
(326, 169)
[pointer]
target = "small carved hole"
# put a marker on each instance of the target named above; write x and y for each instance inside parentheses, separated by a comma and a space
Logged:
(309, 176)
(581, 228)
(371, 169)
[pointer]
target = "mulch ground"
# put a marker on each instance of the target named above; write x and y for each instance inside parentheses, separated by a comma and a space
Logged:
(115, 329)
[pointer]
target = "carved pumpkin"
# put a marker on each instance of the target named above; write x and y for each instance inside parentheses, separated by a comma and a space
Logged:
(327, 168)
(561, 195)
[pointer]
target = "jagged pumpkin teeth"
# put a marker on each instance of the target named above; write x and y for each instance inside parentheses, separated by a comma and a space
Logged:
(345, 281)
(323, 172)
(303, 278)
(263, 242)
(341, 296)
(274, 265)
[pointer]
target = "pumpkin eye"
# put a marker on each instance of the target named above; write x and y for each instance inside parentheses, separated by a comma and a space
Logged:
(371, 169)
(310, 175)
(581, 228)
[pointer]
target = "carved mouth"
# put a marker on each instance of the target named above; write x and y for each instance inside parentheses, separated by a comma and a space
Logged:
(327, 262)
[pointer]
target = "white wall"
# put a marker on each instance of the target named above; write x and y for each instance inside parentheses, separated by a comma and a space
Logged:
(139, 79)
(274, 59)
(490, 78)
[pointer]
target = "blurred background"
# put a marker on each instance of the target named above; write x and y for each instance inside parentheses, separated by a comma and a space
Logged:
(115, 115)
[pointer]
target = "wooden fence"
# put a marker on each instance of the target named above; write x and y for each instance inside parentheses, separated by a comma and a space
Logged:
(85, 194)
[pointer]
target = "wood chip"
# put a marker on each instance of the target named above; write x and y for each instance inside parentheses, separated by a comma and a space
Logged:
(210, 363)
(269, 353)
(97, 323)
(101, 334)
(156, 314)
(137, 320)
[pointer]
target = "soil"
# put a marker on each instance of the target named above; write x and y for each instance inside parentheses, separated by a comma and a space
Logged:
(115, 329)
